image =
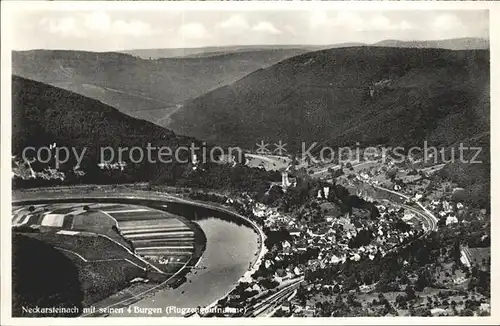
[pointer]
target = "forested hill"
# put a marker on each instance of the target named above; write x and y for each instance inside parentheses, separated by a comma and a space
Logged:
(146, 89)
(440, 96)
(43, 115)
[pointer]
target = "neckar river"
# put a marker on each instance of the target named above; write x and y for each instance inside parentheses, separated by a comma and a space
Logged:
(230, 250)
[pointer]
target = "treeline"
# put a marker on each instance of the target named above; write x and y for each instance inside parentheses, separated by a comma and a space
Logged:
(239, 178)
(307, 189)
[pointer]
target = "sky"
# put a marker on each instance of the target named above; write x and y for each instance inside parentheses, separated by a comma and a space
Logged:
(114, 30)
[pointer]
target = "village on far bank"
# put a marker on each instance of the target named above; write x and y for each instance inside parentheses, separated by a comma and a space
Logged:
(319, 242)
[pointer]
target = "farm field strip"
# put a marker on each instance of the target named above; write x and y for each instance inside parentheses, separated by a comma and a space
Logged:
(18, 214)
(147, 215)
(158, 234)
(167, 248)
(158, 229)
(26, 219)
(95, 218)
(152, 223)
(180, 258)
(65, 210)
(145, 224)
(155, 242)
(174, 237)
(177, 262)
(53, 220)
(160, 252)
(134, 210)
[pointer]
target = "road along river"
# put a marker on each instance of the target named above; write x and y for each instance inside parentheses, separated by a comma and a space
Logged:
(232, 247)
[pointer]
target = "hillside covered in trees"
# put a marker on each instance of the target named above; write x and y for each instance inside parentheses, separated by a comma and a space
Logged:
(418, 94)
(43, 115)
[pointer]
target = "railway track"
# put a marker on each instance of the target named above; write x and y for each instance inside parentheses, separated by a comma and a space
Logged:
(269, 303)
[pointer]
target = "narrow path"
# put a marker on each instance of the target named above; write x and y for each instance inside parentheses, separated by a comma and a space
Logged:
(99, 260)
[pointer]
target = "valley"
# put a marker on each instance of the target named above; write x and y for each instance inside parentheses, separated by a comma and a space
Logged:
(146, 88)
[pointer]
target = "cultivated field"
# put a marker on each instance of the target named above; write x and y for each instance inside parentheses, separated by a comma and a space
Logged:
(159, 238)
(110, 244)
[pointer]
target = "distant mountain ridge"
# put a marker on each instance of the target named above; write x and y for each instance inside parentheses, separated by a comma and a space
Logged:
(211, 50)
(465, 43)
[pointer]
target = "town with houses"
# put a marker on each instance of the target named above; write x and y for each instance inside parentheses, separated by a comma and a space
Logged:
(321, 237)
